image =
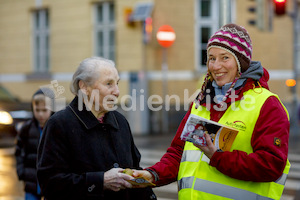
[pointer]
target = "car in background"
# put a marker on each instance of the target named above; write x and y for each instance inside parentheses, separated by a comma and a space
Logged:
(13, 113)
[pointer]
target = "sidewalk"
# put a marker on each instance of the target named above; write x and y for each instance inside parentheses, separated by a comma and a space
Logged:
(153, 142)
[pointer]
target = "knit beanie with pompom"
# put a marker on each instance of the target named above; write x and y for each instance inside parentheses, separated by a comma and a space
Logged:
(236, 40)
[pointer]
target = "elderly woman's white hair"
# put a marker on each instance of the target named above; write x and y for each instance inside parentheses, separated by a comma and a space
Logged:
(86, 72)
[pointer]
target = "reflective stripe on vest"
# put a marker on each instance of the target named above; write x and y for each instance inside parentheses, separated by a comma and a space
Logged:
(191, 156)
(226, 191)
(197, 179)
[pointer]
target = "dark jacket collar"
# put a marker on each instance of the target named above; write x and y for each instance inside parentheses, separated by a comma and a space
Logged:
(87, 117)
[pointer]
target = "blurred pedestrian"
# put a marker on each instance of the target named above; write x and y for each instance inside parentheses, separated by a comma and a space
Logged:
(27, 143)
(235, 93)
(86, 146)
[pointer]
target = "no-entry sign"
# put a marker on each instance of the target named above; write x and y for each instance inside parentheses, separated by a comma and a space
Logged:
(165, 36)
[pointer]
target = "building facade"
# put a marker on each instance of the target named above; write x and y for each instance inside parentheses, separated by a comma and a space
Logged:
(43, 41)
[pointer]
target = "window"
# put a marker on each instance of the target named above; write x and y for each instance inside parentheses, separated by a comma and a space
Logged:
(104, 30)
(206, 24)
(41, 40)
(210, 15)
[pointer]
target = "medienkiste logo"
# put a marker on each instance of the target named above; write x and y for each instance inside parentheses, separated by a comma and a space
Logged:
(55, 99)
(239, 125)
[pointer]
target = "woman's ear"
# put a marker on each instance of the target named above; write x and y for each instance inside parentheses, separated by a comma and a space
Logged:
(83, 87)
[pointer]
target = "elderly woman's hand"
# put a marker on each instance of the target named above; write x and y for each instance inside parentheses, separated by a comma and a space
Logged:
(115, 180)
(210, 148)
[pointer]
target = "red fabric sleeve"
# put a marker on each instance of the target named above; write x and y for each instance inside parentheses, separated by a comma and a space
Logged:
(268, 160)
(168, 166)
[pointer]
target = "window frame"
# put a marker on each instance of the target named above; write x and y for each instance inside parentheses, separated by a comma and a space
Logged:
(212, 22)
(105, 27)
(41, 40)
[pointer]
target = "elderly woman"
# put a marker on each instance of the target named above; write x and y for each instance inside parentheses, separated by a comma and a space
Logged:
(235, 93)
(86, 146)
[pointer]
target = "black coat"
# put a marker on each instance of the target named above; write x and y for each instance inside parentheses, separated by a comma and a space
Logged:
(26, 155)
(76, 150)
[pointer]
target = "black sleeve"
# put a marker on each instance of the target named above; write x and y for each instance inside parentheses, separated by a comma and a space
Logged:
(135, 152)
(53, 168)
(20, 150)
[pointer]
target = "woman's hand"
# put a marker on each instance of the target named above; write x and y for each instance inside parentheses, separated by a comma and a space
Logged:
(142, 173)
(210, 148)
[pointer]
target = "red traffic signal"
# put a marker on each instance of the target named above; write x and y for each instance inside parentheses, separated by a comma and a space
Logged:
(279, 7)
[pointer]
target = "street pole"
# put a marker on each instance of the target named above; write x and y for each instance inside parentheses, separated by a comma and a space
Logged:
(295, 65)
(225, 10)
(138, 87)
(165, 117)
(165, 37)
(144, 85)
(260, 18)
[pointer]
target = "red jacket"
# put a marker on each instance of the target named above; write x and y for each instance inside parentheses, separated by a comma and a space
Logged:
(265, 164)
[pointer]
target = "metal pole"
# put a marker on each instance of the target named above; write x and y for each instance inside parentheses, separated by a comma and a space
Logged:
(139, 114)
(270, 15)
(260, 18)
(295, 64)
(165, 117)
(144, 85)
(225, 10)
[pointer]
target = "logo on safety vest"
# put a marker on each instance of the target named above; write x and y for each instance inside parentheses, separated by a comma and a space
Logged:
(239, 125)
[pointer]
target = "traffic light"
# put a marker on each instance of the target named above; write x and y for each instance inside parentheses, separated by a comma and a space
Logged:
(147, 30)
(252, 10)
(148, 25)
(290, 82)
(279, 7)
(256, 12)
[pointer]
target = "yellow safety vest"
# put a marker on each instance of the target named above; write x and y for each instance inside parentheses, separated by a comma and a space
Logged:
(198, 180)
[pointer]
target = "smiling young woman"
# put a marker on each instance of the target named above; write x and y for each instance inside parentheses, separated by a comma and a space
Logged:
(256, 166)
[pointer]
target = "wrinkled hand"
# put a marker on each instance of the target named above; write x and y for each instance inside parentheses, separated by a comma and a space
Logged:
(115, 180)
(210, 149)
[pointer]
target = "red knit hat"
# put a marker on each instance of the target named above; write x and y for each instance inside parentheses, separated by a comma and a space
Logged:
(236, 40)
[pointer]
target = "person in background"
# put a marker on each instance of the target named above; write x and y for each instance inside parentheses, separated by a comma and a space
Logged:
(234, 93)
(27, 143)
(86, 147)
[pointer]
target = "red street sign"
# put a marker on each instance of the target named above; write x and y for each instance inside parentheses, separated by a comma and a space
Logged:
(165, 36)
